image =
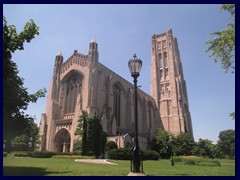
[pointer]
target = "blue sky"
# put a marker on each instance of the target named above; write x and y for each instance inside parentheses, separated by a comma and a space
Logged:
(121, 31)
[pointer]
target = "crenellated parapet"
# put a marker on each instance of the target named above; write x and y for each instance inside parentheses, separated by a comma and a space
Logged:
(76, 58)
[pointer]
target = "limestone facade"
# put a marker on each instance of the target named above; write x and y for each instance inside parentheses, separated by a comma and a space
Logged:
(83, 83)
(168, 86)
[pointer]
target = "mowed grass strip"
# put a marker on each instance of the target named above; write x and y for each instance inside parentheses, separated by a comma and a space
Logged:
(67, 167)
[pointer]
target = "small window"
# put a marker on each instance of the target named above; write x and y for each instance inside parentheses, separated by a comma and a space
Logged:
(160, 60)
(164, 43)
(165, 59)
(159, 45)
(166, 72)
(161, 73)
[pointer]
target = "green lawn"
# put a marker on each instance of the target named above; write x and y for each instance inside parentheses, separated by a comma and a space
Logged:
(67, 167)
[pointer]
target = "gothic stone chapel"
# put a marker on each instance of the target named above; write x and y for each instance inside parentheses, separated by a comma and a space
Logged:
(83, 83)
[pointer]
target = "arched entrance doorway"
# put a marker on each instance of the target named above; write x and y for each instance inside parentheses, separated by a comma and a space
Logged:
(62, 140)
(112, 145)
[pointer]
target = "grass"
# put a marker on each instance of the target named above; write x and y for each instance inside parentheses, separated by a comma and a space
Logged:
(67, 167)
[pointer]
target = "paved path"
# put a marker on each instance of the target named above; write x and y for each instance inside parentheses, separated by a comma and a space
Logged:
(97, 161)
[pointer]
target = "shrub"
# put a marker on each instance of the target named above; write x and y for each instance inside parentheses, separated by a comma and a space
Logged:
(20, 154)
(5, 154)
(121, 153)
(177, 159)
(20, 143)
(43, 154)
(77, 152)
(72, 157)
(193, 160)
(190, 161)
(62, 153)
(209, 163)
(150, 155)
(126, 154)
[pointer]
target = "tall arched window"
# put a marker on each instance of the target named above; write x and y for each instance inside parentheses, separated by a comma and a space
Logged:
(73, 87)
(117, 103)
(165, 59)
(160, 60)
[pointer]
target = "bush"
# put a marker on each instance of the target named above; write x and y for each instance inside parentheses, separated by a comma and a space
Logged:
(177, 159)
(72, 157)
(5, 154)
(20, 154)
(150, 155)
(62, 153)
(126, 154)
(77, 152)
(209, 163)
(20, 143)
(190, 161)
(121, 153)
(196, 161)
(43, 154)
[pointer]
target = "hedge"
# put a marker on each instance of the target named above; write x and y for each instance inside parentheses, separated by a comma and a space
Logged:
(121, 153)
(196, 161)
(43, 154)
(20, 154)
(150, 155)
(5, 154)
(126, 154)
(73, 156)
(23, 154)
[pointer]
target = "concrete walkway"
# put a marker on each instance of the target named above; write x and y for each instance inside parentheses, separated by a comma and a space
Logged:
(97, 161)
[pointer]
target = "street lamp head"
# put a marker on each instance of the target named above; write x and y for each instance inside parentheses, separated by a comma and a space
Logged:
(135, 66)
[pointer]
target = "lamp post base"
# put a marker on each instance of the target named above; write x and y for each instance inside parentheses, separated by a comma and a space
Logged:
(137, 174)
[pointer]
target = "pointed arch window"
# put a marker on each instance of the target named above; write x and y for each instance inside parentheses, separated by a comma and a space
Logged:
(166, 72)
(73, 88)
(160, 60)
(165, 59)
(117, 103)
(161, 73)
(150, 114)
(159, 44)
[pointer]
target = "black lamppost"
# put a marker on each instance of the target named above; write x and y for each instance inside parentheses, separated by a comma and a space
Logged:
(135, 66)
(171, 141)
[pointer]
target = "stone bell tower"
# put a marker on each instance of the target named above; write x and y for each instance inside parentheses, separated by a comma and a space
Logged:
(168, 86)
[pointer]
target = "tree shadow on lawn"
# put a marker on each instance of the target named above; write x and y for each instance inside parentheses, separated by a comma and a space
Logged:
(27, 171)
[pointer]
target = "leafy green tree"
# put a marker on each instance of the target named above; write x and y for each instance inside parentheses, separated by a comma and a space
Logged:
(20, 143)
(15, 95)
(96, 137)
(82, 130)
(232, 114)
(184, 144)
(104, 142)
(93, 137)
(77, 147)
(222, 47)
(226, 142)
(206, 148)
(161, 143)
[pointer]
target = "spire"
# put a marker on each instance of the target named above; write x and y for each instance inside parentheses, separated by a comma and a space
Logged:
(93, 40)
(59, 54)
